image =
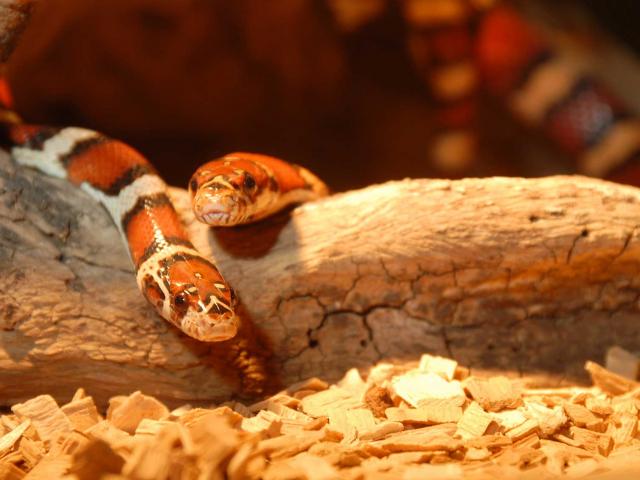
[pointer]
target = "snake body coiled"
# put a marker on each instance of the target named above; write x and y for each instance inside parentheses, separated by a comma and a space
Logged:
(184, 287)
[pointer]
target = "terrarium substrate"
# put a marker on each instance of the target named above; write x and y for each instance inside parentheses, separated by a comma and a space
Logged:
(411, 421)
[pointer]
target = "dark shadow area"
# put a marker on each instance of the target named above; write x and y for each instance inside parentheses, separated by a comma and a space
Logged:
(254, 240)
(246, 361)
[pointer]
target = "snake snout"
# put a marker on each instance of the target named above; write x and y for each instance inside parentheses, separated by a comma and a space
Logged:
(216, 209)
(206, 329)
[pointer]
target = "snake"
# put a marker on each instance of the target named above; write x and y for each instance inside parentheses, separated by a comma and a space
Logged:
(463, 48)
(185, 288)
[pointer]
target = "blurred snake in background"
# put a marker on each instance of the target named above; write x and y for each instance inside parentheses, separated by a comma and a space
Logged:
(463, 48)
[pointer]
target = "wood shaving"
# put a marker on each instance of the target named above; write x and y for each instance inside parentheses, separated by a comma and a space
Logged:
(414, 421)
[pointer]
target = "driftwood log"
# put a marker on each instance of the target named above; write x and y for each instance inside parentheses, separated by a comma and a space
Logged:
(527, 276)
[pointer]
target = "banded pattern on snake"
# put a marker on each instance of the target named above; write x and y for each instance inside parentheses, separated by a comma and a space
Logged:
(184, 287)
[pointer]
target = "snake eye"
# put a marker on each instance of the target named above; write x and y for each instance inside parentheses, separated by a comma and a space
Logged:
(249, 181)
(193, 185)
(180, 299)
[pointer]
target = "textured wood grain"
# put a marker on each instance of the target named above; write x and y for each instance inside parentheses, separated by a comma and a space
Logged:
(525, 276)
(14, 15)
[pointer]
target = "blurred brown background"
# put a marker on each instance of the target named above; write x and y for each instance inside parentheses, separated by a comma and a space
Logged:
(188, 80)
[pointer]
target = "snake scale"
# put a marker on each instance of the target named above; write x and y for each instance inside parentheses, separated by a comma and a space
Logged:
(185, 288)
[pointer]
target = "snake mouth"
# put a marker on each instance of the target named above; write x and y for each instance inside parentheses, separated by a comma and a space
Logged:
(217, 210)
(203, 328)
(216, 218)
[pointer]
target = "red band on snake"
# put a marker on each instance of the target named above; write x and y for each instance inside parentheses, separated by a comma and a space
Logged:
(184, 287)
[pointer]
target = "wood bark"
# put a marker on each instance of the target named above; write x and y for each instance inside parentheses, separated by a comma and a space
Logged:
(527, 276)
(14, 15)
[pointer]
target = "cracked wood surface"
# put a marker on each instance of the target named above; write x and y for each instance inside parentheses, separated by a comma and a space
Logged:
(526, 276)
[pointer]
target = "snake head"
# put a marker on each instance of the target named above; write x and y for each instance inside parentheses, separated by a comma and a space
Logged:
(188, 290)
(228, 191)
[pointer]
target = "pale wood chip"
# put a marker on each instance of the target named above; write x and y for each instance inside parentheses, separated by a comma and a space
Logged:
(13, 457)
(181, 410)
(115, 402)
(474, 454)
(509, 419)
(214, 439)
(313, 383)
(267, 422)
(45, 415)
(418, 388)
(436, 437)
(445, 367)
(31, 451)
(9, 422)
(622, 362)
(274, 402)
(78, 395)
(316, 424)
(285, 412)
(582, 417)
(442, 411)
(199, 415)
(82, 413)
(128, 414)
(290, 445)
(300, 394)
(495, 393)
(560, 437)
(561, 392)
(383, 372)
(550, 420)
(609, 382)
(8, 440)
(592, 441)
(491, 442)
(474, 422)
(624, 405)
(318, 405)
(350, 422)
(150, 428)
(530, 441)
(580, 397)
(599, 406)
(353, 382)
(626, 428)
(67, 443)
(409, 457)
(105, 431)
(525, 429)
(380, 430)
